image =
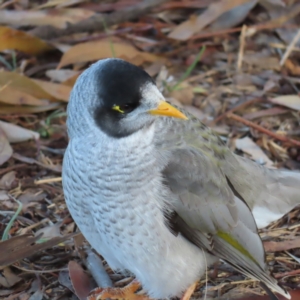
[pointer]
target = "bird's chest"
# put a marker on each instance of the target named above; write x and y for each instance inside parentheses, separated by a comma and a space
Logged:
(116, 190)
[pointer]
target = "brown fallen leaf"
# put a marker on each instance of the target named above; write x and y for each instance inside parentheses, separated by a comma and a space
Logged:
(234, 16)
(59, 91)
(60, 3)
(295, 295)
(184, 93)
(23, 246)
(21, 41)
(23, 84)
(8, 278)
(55, 17)
(5, 148)
(190, 27)
(10, 95)
(271, 246)
(7, 109)
(7, 180)
(80, 281)
(291, 101)
(93, 51)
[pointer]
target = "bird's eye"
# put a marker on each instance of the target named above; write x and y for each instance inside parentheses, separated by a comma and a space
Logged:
(125, 108)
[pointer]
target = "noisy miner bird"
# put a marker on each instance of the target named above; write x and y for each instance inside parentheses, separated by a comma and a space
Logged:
(156, 192)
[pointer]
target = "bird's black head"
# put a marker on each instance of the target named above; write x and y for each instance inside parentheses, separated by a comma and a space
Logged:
(117, 98)
(120, 93)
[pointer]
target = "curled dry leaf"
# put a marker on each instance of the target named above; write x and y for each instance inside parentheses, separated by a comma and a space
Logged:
(21, 41)
(59, 91)
(188, 28)
(291, 101)
(92, 51)
(5, 148)
(16, 134)
(80, 281)
(234, 16)
(10, 95)
(19, 247)
(7, 180)
(9, 278)
(8, 109)
(60, 3)
(271, 246)
(61, 75)
(49, 232)
(22, 84)
(55, 17)
(248, 146)
(184, 93)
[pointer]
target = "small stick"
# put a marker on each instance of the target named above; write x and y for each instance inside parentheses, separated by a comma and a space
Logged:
(276, 136)
(48, 180)
(242, 105)
(242, 47)
(290, 48)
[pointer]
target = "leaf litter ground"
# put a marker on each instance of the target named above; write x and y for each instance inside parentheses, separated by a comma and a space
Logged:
(245, 85)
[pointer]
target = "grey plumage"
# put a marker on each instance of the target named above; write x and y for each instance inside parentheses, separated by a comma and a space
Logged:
(162, 196)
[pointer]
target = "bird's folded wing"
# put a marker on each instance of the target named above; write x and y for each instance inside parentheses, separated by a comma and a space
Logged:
(270, 193)
(210, 213)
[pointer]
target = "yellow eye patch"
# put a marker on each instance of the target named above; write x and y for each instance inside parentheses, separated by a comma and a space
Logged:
(117, 108)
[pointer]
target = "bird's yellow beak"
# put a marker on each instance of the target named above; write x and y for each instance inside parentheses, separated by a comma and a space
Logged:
(167, 110)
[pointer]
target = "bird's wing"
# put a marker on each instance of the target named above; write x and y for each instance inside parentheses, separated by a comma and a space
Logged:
(276, 192)
(211, 213)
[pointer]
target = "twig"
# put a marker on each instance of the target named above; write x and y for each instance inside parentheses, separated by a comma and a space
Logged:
(276, 136)
(234, 109)
(96, 22)
(242, 47)
(48, 180)
(6, 170)
(291, 273)
(290, 48)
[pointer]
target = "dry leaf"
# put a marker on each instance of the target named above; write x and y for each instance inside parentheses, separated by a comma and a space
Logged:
(10, 95)
(21, 41)
(60, 3)
(59, 91)
(55, 17)
(93, 51)
(8, 278)
(271, 246)
(22, 84)
(7, 109)
(71, 81)
(291, 101)
(50, 231)
(5, 148)
(61, 75)
(23, 246)
(188, 28)
(7, 180)
(234, 16)
(80, 281)
(184, 93)
(16, 134)
(248, 146)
